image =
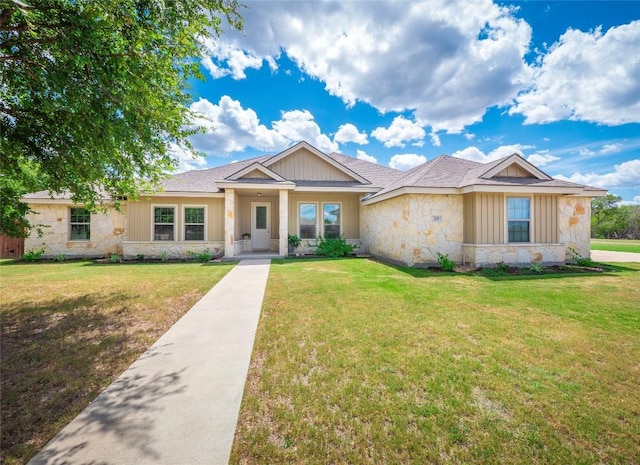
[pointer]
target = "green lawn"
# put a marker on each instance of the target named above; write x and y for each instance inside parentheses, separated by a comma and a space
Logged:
(616, 245)
(359, 362)
(69, 329)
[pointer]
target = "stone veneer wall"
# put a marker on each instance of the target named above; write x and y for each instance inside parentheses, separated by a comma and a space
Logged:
(404, 229)
(172, 249)
(487, 255)
(107, 232)
(574, 224)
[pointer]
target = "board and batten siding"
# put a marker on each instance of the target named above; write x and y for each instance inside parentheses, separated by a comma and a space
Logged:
(140, 214)
(350, 210)
(244, 214)
(545, 219)
(305, 165)
(484, 218)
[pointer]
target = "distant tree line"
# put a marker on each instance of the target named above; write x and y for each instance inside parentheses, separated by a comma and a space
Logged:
(610, 220)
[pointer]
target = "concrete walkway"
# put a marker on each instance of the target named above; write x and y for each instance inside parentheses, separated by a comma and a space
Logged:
(613, 257)
(179, 402)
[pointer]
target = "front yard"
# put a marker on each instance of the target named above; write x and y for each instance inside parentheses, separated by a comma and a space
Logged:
(69, 329)
(359, 362)
(616, 245)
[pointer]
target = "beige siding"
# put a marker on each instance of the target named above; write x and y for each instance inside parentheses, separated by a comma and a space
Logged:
(256, 174)
(545, 219)
(484, 218)
(243, 214)
(514, 170)
(350, 210)
(140, 216)
(305, 165)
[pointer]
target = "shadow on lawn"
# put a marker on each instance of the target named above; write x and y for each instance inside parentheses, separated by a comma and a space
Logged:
(56, 357)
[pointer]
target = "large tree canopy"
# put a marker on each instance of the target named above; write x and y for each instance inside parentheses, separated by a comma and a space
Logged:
(93, 94)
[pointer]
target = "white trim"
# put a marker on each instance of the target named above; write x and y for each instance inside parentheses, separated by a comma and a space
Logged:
(506, 218)
(324, 233)
(336, 190)
(183, 232)
(287, 185)
(320, 155)
(253, 167)
(521, 162)
(70, 207)
(300, 202)
(176, 212)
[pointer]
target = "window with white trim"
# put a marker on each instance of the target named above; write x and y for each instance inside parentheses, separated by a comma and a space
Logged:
(519, 219)
(80, 224)
(331, 214)
(164, 222)
(308, 220)
(194, 223)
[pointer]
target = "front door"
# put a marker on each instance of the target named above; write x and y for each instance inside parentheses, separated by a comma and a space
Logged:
(260, 225)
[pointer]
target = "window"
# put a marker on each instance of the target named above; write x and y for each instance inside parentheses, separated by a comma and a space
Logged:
(163, 223)
(80, 221)
(519, 219)
(194, 224)
(308, 220)
(331, 215)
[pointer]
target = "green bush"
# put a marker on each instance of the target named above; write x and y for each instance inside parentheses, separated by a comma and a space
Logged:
(535, 268)
(33, 255)
(203, 257)
(580, 260)
(445, 262)
(60, 257)
(333, 247)
(114, 258)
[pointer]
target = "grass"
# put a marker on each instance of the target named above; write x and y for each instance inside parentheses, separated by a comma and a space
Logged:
(69, 329)
(359, 362)
(616, 245)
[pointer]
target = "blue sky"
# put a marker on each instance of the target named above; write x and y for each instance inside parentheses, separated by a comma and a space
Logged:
(399, 83)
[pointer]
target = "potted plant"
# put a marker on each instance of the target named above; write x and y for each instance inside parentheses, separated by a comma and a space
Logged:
(294, 241)
(246, 236)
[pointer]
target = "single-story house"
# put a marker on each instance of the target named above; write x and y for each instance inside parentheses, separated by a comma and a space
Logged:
(477, 213)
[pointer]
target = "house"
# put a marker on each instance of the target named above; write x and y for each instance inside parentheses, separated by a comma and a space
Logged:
(479, 214)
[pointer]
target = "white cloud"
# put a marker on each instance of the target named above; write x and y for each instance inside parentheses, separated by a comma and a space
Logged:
(636, 199)
(231, 60)
(426, 57)
(435, 139)
(541, 159)
(362, 155)
(406, 161)
(187, 160)
(587, 76)
(475, 154)
(626, 174)
(232, 128)
(349, 133)
(610, 148)
(469, 136)
(400, 131)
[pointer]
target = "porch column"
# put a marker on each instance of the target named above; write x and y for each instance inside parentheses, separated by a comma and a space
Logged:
(284, 222)
(229, 222)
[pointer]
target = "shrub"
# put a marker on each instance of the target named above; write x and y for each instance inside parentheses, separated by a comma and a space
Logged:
(535, 268)
(580, 260)
(140, 257)
(502, 267)
(114, 258)
(33, 255)
(203, 256)
(60, 257)
(164, 256)
(445, 262)
(332, 247)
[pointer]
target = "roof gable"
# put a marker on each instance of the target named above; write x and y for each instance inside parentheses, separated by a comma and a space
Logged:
(255, 171)
(305, 162)
(514, 166)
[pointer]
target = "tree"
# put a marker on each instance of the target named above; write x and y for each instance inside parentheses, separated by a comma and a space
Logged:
(94, 94)
(603, 209)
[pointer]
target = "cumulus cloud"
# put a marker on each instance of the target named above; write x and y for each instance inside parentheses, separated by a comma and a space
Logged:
(349, 133)
(187, 160)
(231, 128)
(587, 76)
(624, 175)
(425, 57)
(399, 132)
(404, 162)
(475, 154)
(541, 159)
(362, 155)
